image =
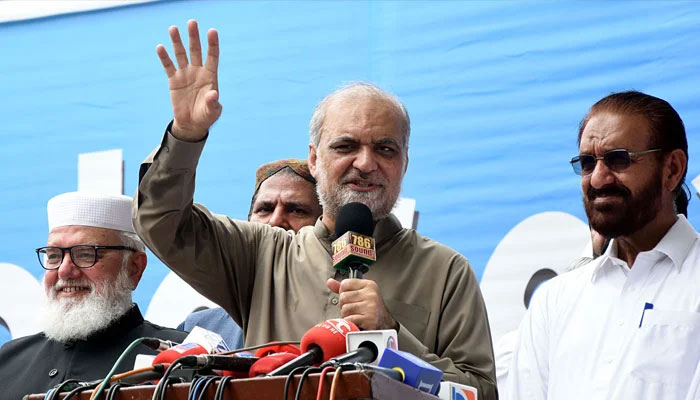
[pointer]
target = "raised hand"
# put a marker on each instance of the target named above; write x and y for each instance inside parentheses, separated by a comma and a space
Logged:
(194, 88)
(362, 304)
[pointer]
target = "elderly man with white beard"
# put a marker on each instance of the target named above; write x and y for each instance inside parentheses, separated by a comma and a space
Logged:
(93, 261)
(276, 284)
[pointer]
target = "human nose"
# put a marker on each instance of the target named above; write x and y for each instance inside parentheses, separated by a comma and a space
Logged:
(67, 269)
(364, 160)
(279, 218)
(601, 175)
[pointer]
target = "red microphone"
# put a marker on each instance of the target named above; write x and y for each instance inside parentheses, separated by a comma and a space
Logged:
(270, 363)
(322, 342)
(181, 350)
(273, 348)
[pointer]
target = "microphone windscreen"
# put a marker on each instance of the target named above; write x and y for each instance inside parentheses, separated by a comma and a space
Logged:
(175, 352)
(329, 336)
(354, 217)
(270, 363)
(277, 348)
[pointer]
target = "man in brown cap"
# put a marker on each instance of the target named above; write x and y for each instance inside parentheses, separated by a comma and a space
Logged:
(284, 196)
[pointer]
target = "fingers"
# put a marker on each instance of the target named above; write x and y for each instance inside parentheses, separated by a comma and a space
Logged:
(212, 51)
(195, 46)
(212, 102)
(165, 60)
(178, 47)
(333, 285)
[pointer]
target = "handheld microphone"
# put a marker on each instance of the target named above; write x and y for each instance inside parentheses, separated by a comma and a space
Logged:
(318, 344)
(354, 247)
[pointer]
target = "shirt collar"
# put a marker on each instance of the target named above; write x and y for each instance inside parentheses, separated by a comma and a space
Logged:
(675, 244)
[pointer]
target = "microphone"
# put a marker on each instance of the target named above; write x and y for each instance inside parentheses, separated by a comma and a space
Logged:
(158, 344)
(269, 363)
(215, 361)
(365, 347)
(354, 247)
(175, 352)
(457, 391)
(274, 347)
(418, 373)
(318, 344)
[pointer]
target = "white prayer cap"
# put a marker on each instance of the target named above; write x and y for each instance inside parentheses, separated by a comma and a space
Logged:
(90, 209)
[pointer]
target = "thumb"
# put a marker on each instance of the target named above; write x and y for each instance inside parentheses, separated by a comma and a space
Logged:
(333, 285)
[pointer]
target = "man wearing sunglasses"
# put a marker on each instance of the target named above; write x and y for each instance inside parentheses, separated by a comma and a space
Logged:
(627, 324)
(93, 262)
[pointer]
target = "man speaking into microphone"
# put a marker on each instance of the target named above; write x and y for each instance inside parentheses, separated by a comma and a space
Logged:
(277, 284)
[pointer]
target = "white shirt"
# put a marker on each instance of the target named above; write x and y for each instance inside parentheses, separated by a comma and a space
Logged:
(584, 336)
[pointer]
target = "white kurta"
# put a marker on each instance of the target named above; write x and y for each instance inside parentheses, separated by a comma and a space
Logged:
(607, 331)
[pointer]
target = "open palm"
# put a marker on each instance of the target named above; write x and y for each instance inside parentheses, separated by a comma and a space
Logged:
(194, 89)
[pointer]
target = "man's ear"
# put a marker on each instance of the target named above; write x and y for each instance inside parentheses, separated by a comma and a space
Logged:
(136, 266)
(312, 160)
(674, 167)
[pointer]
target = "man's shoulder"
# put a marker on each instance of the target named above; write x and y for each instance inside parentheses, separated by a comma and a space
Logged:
(426, 245)
(150, 329)
(23, 345)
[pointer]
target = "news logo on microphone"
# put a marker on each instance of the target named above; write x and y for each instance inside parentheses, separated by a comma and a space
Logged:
(351, 248)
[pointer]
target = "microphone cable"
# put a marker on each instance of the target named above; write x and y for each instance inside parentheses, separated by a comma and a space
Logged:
(159, 391)
(219, 395)
(305, 375)
(208, 381)
(334, 383)
(325, 371)
(105, 381)
(114, 389)
(289, 379)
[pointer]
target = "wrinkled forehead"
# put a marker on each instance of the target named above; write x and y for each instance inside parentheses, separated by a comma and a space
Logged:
(606, 131)
(70, 235)
(362, 113)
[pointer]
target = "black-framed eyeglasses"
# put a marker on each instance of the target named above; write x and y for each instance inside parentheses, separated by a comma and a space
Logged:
(82, 255)
(617, 160)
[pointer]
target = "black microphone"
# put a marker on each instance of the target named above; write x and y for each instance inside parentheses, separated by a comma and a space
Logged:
(366, 353)
(354, 247)
(213, 361)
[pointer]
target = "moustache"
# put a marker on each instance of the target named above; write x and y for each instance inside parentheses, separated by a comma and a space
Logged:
(358, 176)
(613, 190)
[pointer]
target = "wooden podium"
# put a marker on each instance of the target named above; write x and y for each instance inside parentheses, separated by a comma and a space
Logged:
(350, 385)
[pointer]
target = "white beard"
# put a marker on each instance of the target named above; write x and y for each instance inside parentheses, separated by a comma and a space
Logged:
(379, 202)
(65, 319)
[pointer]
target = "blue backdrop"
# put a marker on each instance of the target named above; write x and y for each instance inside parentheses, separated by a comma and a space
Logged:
(495, 91)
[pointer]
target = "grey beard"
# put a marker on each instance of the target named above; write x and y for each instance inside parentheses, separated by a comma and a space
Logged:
(331, 201)
(64, 319)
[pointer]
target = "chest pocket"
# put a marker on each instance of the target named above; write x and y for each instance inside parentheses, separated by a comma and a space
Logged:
(413, 317)
(662, 355)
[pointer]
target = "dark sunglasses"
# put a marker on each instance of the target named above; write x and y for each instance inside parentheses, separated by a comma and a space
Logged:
(616, 160)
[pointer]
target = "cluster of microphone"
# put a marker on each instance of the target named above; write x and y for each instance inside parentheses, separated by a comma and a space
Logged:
(332, 343)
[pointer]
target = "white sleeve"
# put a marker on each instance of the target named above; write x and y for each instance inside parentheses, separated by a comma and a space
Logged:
(694, 391)
(529, 368)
